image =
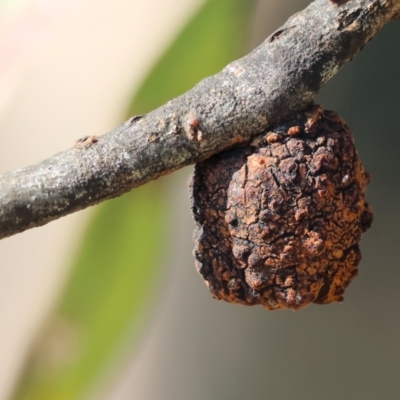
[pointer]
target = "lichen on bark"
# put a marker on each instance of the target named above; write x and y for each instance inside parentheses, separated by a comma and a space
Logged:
(279, 219)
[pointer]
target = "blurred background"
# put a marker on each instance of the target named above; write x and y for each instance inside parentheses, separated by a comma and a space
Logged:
(106, 303)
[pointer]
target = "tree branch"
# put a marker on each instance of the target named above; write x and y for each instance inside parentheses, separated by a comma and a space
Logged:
(278, 78)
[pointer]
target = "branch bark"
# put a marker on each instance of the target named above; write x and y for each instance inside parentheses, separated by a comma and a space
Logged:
(276, 79)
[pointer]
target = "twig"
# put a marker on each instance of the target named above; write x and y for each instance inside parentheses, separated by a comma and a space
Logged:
(278, 78)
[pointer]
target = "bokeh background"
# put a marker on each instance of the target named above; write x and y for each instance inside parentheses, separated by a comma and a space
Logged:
(106, 303)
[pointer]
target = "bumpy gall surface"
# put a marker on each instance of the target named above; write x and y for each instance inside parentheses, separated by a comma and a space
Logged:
(279, 220)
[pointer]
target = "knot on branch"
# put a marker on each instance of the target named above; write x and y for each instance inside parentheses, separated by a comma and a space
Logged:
(279, 220)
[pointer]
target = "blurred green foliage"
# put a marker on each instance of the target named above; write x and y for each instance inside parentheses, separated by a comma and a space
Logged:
(114, 275)
(217, 35)
(112, 279)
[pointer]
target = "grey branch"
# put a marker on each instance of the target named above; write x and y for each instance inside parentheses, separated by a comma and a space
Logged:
(276, 79)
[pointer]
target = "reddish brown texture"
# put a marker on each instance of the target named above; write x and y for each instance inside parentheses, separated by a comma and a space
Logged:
(86, 141)
(279, 220)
